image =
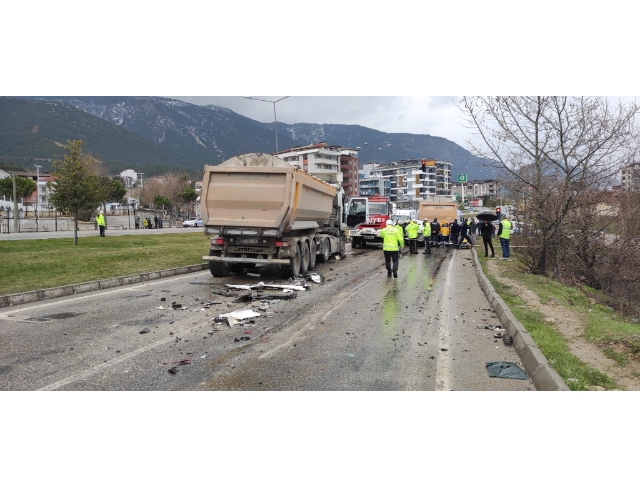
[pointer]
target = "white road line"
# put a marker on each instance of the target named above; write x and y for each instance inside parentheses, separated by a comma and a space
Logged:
(9, 315)
(443, 363)
(313, 319)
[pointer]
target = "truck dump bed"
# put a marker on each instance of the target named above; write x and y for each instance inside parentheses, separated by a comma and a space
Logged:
(439, 209)
(263, 191)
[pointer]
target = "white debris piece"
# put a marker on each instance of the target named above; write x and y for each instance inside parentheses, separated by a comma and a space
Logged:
(316, 278)
(236, 317)
(262, 285)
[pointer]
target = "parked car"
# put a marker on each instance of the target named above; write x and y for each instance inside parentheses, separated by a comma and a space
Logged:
(192, 222)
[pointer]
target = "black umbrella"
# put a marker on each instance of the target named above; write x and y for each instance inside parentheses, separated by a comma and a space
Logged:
(487, 216)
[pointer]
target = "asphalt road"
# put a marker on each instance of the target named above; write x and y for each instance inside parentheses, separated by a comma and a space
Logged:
(359, 330)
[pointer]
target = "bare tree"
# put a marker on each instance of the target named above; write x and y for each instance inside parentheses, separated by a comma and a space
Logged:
(553, 149)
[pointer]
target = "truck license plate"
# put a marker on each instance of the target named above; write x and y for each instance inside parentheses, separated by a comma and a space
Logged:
(371, 237)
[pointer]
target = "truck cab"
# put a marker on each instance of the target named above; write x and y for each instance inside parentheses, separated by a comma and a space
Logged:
(366, 216)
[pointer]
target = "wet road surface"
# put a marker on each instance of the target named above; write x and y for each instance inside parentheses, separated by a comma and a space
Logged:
(360, 330)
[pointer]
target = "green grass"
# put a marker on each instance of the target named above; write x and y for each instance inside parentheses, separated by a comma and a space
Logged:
(551, 342)
(28, 265)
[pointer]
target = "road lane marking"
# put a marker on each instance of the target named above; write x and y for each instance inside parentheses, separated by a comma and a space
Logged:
(443, 362)
(10, 315)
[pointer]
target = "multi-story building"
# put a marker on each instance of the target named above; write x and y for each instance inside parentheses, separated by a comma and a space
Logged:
(319, 159)
(478, 190)
(407, 181)
(631, 177)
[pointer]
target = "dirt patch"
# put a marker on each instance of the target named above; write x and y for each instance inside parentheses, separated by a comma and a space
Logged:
(572, 328)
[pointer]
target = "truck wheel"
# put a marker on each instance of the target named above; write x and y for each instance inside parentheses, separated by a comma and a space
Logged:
(326, 251)
(312, 255)
(354, 243)
(218, 269)
(304, 261)
(293, 270)
(236, 268)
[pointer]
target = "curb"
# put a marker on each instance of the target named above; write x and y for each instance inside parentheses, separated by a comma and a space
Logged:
(544, 377)
(84, 287)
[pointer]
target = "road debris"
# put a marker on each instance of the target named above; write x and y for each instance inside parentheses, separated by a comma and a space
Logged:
(506, 370)
(175, 305)
(315, 277)
(507, 339)
(241, 339)
(145, 330)
(262, 285)
(236, 317)
(173, 370)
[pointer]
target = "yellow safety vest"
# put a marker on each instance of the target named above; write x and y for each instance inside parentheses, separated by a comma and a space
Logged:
(506, 229)
(391, 239)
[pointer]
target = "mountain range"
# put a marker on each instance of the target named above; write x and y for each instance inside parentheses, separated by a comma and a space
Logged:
(154, 135)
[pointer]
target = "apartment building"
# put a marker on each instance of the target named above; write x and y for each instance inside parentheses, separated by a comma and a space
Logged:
(478, 190)
(319, 159)
(631, 177)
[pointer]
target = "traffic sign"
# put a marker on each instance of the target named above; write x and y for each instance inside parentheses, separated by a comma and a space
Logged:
(462, 178)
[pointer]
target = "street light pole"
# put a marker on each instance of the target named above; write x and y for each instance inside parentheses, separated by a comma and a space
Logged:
(38, 166)
(129, 199)
(275, 120)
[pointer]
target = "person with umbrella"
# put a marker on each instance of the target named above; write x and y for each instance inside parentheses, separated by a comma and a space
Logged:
(486, 230)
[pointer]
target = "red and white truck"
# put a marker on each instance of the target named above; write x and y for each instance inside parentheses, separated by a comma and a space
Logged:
(366, 216)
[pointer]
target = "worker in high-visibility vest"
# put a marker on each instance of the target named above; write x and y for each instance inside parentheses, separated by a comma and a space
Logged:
(392, 242)
(426, 232)
(504, 234)
(444, 232)
(101, 223)
(412, 236)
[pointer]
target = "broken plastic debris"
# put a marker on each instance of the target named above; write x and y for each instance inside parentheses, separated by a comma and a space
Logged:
(506, 370)
(145, 330)
(315, 277)
(160, 307)
(237, 316)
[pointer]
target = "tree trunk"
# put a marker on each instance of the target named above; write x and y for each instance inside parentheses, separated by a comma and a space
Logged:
(75, 228)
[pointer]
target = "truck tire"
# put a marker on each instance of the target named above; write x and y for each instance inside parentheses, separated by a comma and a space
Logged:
(326, 251)
(312, 254)
(304, 257)
(218, 269)
(293, 269)
(354, 243)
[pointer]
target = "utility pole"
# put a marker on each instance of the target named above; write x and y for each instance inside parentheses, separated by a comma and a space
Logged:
(15, 205)
(38, 166)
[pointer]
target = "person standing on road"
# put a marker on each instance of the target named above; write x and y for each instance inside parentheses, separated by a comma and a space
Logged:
(412, 236)
(504, 234)
(486, 230)
(392, 242)
(101, 223)
(137, 222)
(155, 220)
(426, 232)
(435, 232)
(445, 229)
(455, 233)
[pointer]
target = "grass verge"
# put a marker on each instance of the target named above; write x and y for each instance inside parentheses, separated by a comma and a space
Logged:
(28, 265)
(576, 374)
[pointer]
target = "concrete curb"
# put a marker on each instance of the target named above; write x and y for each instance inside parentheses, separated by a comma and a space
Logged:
(57, 292)
(544, 377)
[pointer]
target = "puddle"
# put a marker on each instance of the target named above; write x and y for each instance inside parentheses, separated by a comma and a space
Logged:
(56, 316)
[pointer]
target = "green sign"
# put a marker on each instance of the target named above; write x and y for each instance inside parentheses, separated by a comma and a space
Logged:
(462, 178)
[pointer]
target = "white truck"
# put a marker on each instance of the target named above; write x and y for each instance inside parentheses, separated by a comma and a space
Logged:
(259, 209)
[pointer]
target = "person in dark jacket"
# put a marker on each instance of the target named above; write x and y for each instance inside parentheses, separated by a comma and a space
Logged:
(455, 234)
(486, 230)
(464, 232)
(435, 232)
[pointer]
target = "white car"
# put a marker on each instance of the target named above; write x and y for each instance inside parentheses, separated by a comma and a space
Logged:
(192, 222)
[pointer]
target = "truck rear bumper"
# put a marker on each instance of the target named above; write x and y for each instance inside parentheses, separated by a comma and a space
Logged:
(235, 260)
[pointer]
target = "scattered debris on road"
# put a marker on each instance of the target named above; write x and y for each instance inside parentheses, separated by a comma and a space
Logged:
(145, 330)
(236, 317)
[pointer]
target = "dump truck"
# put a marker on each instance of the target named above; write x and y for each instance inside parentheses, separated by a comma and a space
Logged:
(440, 208)
(258, 209)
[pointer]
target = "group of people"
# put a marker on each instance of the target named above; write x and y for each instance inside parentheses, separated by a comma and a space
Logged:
(435, 234)
(148, 222)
